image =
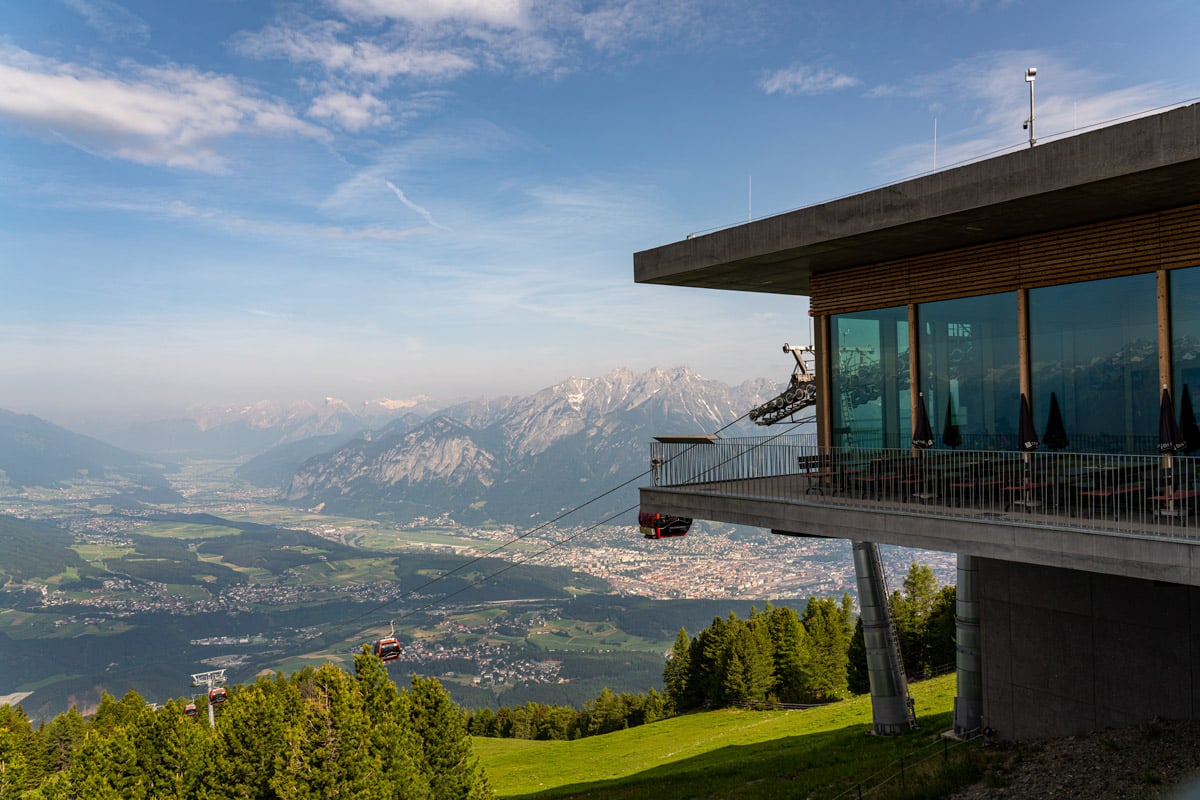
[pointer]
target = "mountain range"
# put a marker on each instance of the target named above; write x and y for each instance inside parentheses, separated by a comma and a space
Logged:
(504, 459)
(521, 458)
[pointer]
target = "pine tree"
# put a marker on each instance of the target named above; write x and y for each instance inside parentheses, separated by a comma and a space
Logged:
(61, 738)
(20, 762)
(250, 737)
(677, 671)
(450, 764)
(393, 740)
(326, 750)
(752, 644)
(858, 679)
(708, 654)
(941, 628)
(823, 621)
(733, 685)
(793, 656)
(910, 614)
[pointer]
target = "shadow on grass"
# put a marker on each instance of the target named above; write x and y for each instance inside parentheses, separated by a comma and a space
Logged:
(817, 765)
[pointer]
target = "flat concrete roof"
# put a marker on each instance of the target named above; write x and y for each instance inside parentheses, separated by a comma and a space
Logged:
(1145, 165)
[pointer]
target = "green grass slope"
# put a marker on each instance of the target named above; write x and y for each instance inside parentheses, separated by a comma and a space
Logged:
(819, 753)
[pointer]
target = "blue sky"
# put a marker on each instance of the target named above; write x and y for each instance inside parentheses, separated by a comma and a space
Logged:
(226, 201)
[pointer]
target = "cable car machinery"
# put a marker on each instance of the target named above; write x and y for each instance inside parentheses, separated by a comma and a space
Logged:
(216, 692)
(801, 391)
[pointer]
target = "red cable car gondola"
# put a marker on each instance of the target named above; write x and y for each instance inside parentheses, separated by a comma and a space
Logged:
(387, 649)
(663, 526)
(216, 696)
(191, 710)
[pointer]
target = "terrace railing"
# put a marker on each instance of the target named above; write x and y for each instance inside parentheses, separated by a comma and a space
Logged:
(1144, 495)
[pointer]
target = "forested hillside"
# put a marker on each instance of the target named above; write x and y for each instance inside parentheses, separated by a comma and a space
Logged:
(773, 656)
(321, 733)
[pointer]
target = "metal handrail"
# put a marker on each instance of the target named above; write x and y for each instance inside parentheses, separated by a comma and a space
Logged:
(1108, 492)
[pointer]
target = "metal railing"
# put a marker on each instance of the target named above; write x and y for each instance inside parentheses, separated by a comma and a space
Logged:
(1115, 493)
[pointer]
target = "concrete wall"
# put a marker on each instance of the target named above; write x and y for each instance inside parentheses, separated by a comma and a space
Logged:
(1066, 651)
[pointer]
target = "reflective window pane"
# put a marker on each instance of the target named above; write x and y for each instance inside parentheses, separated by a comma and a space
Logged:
(1094, 345)
(1185, 336)
(970, 377)
(870, 392)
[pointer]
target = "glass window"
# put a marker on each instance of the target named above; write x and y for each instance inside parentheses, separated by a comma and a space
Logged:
(1185, 335)
(870, 391)
(1095, 345)
(969, 369)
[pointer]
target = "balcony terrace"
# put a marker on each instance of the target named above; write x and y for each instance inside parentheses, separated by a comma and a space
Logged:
(1127, 515)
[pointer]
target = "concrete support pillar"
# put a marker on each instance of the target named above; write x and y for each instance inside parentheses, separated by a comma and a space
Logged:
(890, 705)
(968, 698)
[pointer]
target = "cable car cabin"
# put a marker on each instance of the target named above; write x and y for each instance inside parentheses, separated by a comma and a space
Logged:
(663, 526)
(216, 696)
(190, 710)
(387, 649)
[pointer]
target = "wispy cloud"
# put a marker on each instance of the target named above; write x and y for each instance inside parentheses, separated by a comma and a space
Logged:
(982, 102)
(441, 40)
(800, 79)
(112, 21)
(333, 46)
(495, 13)
(424, 213)
(354, 113)
(161, 207)
(173, 116)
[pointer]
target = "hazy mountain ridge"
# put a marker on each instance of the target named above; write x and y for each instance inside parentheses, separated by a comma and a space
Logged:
(34, 452)
(250, 430)
(513, 458)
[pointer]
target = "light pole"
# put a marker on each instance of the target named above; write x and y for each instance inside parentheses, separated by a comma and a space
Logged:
(209, 680)
(1030, 75)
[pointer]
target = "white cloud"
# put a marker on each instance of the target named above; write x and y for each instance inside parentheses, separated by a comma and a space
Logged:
(112, 21)
(173, 116)
(493, 13)
(321, 42)
(800, 79)
(982, 102)
(354, 113)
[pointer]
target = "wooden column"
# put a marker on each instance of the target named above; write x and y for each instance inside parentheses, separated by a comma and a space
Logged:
(1163, 295)
(914, 368)
(823, 356)
(1025, 368)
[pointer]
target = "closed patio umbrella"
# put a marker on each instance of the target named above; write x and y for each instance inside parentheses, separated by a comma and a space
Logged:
(1170, 438)
(922, 432)
(1170, 442)
(1027, 440)
(951, 435)
(1187, 423)
(1055, 436)
(922, 439)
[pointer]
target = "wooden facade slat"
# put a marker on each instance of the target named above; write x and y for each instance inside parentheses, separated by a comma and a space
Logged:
(1145, 243)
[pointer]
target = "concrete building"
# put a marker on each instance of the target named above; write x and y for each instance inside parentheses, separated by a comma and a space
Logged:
(1066, 273)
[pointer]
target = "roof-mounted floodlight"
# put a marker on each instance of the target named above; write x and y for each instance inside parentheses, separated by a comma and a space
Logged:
(1030, 75)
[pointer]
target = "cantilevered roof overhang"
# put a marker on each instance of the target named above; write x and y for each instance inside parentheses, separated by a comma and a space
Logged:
(1145, 165)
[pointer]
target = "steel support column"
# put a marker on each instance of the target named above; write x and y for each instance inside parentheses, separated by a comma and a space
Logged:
(968, 697)
(891, 707)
